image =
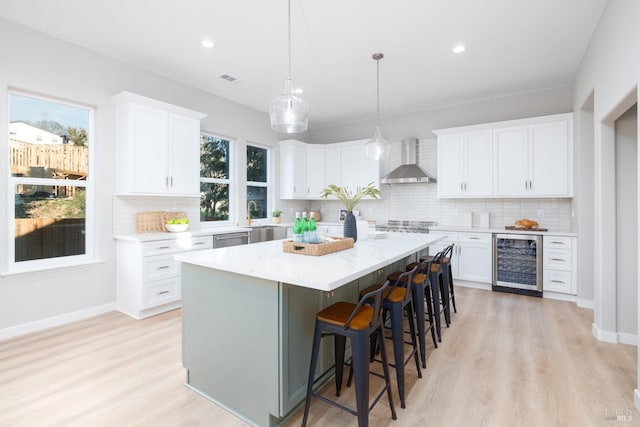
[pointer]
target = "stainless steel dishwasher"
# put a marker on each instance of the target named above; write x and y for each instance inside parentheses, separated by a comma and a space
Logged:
(230, 239)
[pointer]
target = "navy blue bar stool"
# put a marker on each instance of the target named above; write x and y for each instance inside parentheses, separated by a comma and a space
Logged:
(358, 322)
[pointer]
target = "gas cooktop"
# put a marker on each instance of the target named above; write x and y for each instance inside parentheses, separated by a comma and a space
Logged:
(406, 226)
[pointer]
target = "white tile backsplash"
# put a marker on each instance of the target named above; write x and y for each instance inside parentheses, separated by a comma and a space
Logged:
(420, 202)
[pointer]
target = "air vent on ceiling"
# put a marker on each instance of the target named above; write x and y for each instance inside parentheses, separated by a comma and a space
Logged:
(228, 78)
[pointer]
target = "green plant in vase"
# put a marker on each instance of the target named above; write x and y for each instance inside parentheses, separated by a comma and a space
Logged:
(276, 215)
(350, 199)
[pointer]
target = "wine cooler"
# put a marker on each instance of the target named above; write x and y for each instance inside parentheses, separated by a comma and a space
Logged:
(517, 264)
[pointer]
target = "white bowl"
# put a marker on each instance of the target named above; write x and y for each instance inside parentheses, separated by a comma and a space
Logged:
(177, 228)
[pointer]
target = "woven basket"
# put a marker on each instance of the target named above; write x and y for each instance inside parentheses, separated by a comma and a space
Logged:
(154, 221)
(317, 249)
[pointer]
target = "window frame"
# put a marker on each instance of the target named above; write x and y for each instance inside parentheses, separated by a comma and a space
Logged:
(89, 255)
(266, 184)
(230, 181)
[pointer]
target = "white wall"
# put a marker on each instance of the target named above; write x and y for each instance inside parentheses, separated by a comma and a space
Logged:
(610, 71)
(35, 300)
(626, 146)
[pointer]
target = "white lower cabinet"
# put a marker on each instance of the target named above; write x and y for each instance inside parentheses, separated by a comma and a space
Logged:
(559, 264)
(472, 255)
(148, 278)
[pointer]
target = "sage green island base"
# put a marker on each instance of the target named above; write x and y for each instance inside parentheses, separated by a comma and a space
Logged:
(246, 338)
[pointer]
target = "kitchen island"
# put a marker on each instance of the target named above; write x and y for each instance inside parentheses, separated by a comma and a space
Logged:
(249, 312)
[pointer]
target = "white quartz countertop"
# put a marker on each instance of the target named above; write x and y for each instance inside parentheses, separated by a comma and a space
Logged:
(445, 228)
(195, 232)
(268, 261)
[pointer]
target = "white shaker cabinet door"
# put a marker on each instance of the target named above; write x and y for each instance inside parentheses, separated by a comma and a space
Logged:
(184, 160)
(450, 165)
(511, 161)
(549, 159)
(478, 164)
(148, 138)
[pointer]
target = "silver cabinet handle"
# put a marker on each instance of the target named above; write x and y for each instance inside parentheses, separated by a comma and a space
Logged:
(198, 244)
(164, 247)
(163, 292)
(557, 281)
(558, 259)
(474, 238)
(163, 267)
(559, 243)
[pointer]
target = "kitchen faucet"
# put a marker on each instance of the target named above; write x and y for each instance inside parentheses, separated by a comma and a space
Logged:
(255, 206)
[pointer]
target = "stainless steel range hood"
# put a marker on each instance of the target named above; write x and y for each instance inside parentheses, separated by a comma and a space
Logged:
(408, 172)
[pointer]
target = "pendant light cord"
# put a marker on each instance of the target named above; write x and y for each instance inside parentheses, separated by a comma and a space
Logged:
(378, 91)
(289, 37)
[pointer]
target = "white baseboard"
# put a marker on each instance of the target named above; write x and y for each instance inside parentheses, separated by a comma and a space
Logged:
(636, 398)
(614, 337)
(559, 296)
(475, 285)
(584, 303)
(62, 319)
(624, 338)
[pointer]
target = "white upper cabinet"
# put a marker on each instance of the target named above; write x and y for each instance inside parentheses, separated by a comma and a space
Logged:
(315, 171)
(306, 169)
(519, 158)
(464, 164)
(158, 151)
(293, 169)
(535, 160)
(356, 168)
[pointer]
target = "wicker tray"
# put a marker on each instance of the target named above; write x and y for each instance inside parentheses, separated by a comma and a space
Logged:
(154, 221)
(318, 249)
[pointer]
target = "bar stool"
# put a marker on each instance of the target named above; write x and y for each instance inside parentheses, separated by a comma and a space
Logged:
(447, 267)
(358, 322)
(437, 287)
(421, 293)
(396, 301)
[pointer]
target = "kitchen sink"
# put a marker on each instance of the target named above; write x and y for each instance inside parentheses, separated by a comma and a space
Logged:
(264, 233)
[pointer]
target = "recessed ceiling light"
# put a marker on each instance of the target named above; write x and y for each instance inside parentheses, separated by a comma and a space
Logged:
(298, 90)
(458, 49)
(207, 43)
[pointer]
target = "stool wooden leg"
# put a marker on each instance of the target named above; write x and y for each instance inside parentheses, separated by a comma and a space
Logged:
(317, 336)
(385, 369)
(360, 366)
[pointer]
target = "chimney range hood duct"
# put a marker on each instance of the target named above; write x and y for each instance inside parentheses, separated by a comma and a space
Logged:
(408, 172)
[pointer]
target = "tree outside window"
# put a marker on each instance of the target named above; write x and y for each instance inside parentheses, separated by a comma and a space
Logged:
(214, 178)
(257, 182)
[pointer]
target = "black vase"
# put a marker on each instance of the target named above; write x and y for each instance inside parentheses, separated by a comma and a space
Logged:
(350, 228)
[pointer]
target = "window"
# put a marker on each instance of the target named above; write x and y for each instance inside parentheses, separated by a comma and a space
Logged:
(50, 181)
(257, 182)
(215, 179)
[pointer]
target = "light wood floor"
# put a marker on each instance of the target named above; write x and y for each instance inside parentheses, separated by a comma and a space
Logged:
(507, 360)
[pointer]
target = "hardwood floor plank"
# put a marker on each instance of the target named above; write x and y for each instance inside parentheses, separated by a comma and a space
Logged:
(506, 360)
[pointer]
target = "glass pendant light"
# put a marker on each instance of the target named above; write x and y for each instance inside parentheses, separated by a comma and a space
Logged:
(289, 113)
(377, 147)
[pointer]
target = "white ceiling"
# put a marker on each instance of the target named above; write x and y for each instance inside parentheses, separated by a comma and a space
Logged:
(513, 46)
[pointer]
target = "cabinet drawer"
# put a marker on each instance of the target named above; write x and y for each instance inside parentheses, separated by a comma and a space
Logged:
(475, 238)
(194, 243)
(160, 267)
(557, 259)
(170, 246)
(557, 242)
(556, 281)
(160, 292)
